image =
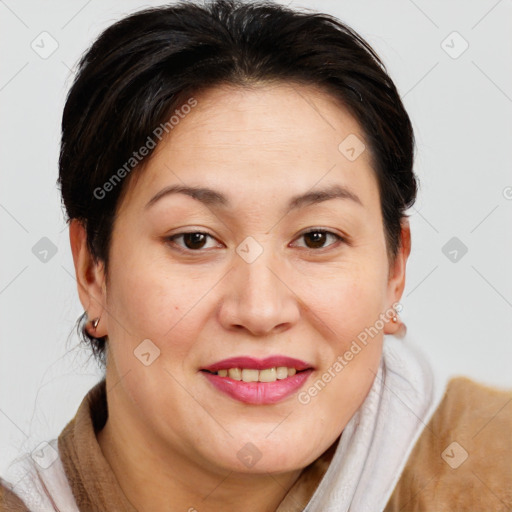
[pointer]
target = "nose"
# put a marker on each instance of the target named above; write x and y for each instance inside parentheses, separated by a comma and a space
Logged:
(258, 298)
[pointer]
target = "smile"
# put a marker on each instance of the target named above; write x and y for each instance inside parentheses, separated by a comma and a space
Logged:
(258, 382)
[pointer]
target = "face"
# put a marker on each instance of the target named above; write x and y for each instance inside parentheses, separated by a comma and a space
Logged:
(281, 263)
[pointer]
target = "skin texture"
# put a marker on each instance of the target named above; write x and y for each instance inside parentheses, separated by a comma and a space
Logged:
(171, 437)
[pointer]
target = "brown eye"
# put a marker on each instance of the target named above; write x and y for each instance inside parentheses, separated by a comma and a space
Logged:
(317, 238)
(192, 241)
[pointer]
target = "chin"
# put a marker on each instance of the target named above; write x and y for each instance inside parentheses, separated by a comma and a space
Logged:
(264, 456)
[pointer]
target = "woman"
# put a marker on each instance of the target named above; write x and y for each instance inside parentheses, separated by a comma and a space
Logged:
(236, 179)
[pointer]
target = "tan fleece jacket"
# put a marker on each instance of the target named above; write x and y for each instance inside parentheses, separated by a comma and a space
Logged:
(461, 462)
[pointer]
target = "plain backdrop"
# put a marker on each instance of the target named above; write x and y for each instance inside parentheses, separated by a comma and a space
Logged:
(452, 63)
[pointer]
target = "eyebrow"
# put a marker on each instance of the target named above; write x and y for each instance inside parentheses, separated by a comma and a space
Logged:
(212, 197)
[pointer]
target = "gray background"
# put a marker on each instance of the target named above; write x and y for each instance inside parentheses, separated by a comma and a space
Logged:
(458, 307)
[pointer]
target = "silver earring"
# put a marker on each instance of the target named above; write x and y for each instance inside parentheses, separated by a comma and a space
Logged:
(95, 323)
(395, 319)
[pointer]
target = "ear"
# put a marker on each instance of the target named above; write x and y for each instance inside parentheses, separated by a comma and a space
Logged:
(90, 279)
(396, 282)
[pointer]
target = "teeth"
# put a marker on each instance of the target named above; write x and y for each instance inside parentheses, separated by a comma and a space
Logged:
(235, 374)
(251, 375)
(281, 372)
(268, 375)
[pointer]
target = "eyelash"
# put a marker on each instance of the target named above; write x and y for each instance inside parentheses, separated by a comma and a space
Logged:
(339, 239)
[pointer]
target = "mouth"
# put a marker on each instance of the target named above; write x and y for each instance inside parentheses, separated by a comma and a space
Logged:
(258, 381)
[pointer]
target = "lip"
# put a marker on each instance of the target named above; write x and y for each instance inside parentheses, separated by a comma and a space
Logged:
(259, 393)
(258, 364)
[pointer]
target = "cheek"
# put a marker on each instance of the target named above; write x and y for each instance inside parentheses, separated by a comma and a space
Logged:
(348, 300)
(156, 301)
(346, 311)
(147, 296)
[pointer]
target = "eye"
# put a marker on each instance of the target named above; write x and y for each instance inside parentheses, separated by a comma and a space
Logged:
(191, 240)
(196, 240)
(317, 238)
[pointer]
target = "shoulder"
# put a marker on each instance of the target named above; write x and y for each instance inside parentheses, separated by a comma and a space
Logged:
(9, 502)
(36, 482)
(462, 459)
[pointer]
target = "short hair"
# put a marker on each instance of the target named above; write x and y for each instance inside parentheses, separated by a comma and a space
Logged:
(145, 66)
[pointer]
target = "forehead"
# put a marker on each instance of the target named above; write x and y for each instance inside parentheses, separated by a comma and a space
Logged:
(268, 139)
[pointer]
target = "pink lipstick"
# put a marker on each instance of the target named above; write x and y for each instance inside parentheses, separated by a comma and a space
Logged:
(258, 381)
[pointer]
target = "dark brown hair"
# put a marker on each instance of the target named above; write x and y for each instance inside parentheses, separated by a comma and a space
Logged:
(144, 67)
